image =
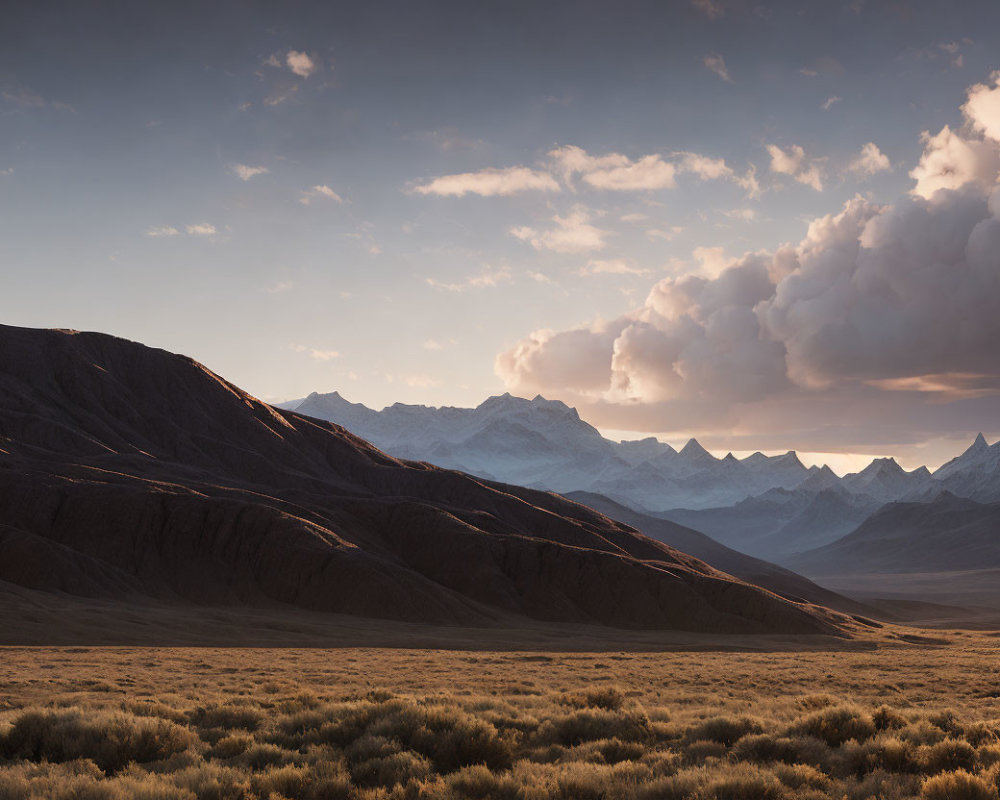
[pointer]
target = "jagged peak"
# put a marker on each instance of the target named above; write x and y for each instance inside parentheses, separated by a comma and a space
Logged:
(729, 457)
(791, 457)
(694, 448)
(978, 445)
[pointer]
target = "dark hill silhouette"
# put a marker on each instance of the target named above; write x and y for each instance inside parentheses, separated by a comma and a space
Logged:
(130, 472)
(762, 573)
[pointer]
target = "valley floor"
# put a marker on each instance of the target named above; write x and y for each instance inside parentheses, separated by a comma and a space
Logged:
(895, 720)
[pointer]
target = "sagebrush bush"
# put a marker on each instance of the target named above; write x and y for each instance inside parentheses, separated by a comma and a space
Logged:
(959, 785)
(110, 740)
(724, 730)
(837, 725)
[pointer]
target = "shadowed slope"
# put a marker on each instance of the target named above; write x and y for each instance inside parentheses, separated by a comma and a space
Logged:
(753, 570)
(133, 471)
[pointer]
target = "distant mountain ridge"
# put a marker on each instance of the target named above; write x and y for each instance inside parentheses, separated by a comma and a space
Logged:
(772, 507)
(544, 443)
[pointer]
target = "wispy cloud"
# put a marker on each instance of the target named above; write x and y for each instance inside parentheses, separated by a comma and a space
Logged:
(870, 161)
(792, 161)
(22, 96)
(316, 353)
(490, 182)
(317, 192)
(570, 234)
(245, 172)
(710, 8)
(615, 266)
(201, 229)
(717, 64)
(486, 279)
(160, 230)
(830, 101)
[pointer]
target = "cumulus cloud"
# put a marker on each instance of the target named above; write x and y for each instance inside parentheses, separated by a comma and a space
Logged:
(317, 192)
(572, 233)
(870, 161)
(982, 108)
(793, 162)
(245, 173)
(879, 314)
(717, 64)
(951, 160)
(490, 182)
(300, 63)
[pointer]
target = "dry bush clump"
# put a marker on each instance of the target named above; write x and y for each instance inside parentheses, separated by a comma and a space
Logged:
(561, 728)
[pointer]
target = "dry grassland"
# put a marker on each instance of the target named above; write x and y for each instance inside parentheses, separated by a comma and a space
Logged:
(896, 721)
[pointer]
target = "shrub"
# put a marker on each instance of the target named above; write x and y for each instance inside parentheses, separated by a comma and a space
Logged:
(589, 725)
(228, 717)
(959, 785)
(947, 756)
(230, 746)
(392, 769)
(886, 718)
(724, 730)
(700, 751)
(837, 725)
(798, 776)
(110, 740)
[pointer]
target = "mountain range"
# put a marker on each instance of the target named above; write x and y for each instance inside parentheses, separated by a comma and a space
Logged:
(770, 508)
(137, 476)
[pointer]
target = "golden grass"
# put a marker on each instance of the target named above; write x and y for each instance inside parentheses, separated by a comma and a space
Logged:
(368, 724)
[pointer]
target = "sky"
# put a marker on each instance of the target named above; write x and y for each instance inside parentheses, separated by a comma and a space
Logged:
(768, 225)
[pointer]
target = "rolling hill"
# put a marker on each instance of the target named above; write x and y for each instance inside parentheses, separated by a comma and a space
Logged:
(138, 475)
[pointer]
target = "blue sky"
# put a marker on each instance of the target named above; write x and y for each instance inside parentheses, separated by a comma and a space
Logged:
(271, 189)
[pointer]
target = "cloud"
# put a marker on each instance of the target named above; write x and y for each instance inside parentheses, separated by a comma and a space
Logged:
(245, 173)
(870, 161)
(717, 64)
(982, 108)
(490, 183)
(431, 344)
(155, 231)
(571, 234)
(300, 63)
(830, 101)
(280, 286)
(201, 229)
(793, 162)
(648, 173)
(615, 266)
(710, 8)
(319, 191)
(420, 381)
(950, 161)
(314, 353)
(487, 279)
(705, 167)
(664, 233)
(23, 96)
(881, 322)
